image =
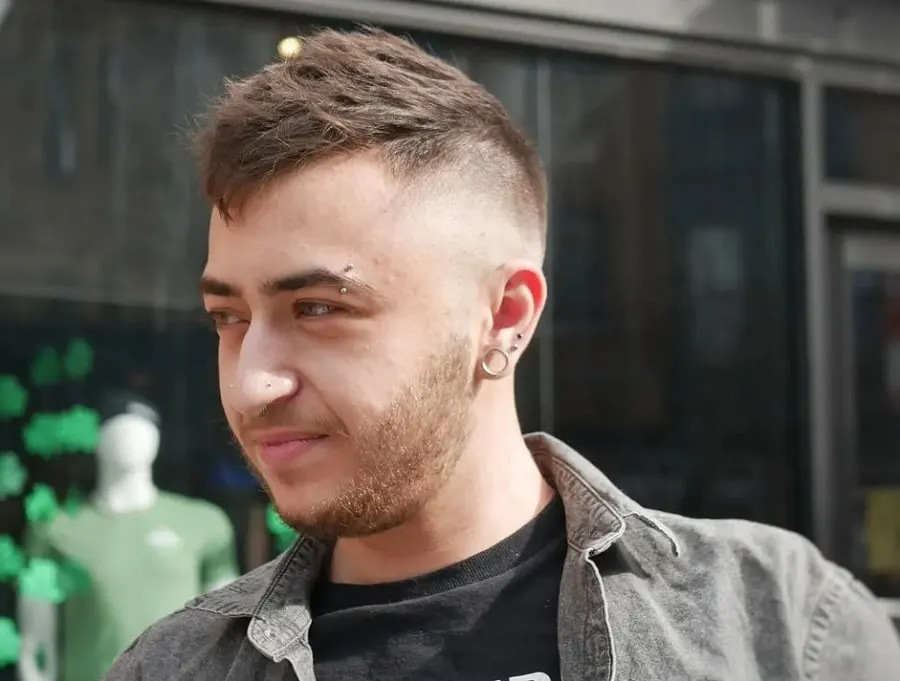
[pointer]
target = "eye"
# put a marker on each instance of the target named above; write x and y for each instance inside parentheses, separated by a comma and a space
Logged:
(306, 308)
(222, 319)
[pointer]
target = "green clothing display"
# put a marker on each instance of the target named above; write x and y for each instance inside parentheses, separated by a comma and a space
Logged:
(141, 566)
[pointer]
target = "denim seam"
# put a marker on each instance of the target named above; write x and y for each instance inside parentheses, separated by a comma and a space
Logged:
(824, 612)
(607, 622)
(202, 607)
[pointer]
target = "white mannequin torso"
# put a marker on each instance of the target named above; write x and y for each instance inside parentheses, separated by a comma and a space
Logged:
(127, 447)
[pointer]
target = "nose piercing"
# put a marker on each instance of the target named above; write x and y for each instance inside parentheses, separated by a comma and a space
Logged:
(262, 412)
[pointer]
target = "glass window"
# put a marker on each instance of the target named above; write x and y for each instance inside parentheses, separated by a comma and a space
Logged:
(867, 338)
(862, 137)
(674, 231)
(102, 235)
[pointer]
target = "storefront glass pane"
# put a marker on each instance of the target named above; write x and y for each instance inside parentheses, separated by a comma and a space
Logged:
(675, 324)
(862, 137)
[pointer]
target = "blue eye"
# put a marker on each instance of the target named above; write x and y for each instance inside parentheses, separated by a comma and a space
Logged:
(313, 309)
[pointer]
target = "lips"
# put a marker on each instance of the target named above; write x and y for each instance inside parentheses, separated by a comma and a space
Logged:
(278, 450)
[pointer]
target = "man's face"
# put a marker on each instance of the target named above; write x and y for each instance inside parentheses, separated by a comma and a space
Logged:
(334, 307)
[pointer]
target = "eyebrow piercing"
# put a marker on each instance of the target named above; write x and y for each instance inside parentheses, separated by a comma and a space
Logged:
(342, 290)
(348, 268)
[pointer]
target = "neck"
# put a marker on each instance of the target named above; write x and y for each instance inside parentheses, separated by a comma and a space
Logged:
(496, 489)
(125, 491)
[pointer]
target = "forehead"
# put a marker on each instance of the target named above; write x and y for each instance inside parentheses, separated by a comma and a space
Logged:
(339, 212)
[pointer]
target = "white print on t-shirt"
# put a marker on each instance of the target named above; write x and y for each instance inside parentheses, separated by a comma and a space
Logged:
(164, 538)
(534, 676)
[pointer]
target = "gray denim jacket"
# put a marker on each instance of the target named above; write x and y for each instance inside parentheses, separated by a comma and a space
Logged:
(644, 596)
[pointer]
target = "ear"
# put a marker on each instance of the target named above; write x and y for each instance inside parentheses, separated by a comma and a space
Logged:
(519, 299)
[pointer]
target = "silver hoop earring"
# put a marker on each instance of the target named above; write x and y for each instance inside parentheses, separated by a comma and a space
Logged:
(485, 362)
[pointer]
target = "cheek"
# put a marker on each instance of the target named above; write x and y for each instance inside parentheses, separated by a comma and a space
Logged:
(358, 382)
(231, 415)
(226, 385)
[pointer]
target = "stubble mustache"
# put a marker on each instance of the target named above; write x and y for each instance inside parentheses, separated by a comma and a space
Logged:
(280, 417)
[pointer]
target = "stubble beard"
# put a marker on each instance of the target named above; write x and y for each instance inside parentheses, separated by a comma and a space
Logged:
(405, 453)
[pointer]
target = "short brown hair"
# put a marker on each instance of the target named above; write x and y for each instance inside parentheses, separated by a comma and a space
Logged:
(360, 91)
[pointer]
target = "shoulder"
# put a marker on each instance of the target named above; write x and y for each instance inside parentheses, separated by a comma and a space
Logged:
(782, 581)
(188, 644)
(759, 560)
(240, 598)
(199, 640)
(758, 551)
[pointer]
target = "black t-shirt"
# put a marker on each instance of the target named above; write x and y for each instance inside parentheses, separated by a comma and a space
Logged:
(491, 617)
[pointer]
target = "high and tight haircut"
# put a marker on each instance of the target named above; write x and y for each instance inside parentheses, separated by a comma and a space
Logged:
(366, 91)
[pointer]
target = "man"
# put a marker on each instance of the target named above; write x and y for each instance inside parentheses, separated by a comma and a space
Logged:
(374, 275)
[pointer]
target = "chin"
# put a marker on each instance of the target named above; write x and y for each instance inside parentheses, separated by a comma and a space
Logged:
(298, 502)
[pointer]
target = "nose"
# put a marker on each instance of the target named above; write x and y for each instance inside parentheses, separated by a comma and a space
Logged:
(261, 377)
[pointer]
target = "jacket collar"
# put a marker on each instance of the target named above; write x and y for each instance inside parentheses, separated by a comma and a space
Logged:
(276, 596)
(595, 508)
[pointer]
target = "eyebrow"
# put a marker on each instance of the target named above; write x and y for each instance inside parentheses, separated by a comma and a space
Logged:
(311, 278)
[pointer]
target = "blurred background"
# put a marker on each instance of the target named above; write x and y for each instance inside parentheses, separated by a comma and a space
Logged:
(723, 337)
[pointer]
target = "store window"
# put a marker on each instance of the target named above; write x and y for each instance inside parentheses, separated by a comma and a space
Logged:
(862, 137)
(102, 236)
(675, 318)
(669, 354)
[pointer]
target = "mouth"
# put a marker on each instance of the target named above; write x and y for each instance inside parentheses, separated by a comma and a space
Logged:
(278, 451)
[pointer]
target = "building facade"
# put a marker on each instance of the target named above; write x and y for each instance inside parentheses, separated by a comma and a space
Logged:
(723, 334)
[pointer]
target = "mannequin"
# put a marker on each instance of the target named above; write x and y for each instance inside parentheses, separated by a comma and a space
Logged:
(147, 552)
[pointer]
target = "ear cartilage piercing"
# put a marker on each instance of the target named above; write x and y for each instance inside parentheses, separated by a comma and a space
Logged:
(342, 290)
(518, 336)
(513, 348)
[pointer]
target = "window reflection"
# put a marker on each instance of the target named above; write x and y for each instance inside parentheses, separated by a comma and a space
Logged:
(862, 137)
(875, 303)
(672, 224)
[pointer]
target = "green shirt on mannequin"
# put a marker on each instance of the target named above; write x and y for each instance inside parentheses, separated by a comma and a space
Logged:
(142, 566)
